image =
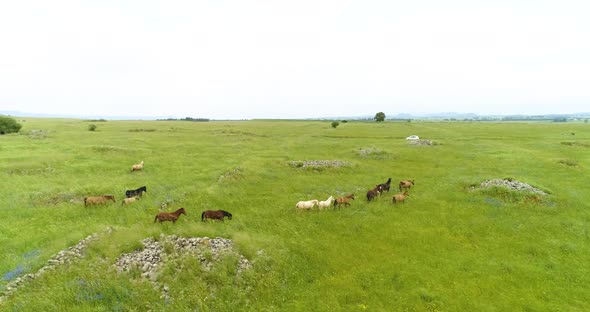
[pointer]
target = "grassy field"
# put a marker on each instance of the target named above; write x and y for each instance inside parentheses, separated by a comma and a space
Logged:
(448, 248)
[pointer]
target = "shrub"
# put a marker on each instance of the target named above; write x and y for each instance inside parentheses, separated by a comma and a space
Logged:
(91, 127)
(9, 125)
(335, 124)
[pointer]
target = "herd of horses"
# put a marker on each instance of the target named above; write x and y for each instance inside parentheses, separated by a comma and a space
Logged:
(372, 194)
(133, 195)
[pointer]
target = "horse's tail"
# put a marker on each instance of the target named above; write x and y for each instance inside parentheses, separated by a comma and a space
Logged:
(388, 181)
(156, 219)
(85, 203)
(203, 217)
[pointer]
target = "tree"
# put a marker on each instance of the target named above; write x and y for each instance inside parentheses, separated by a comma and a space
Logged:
(335, 124)
(9, 125)
(91, 127)
(380, 116)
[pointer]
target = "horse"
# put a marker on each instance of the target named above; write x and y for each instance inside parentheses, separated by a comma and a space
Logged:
(374, 192)
(169, 216)
(406, 184)
(400, 198)
(343, 200)
(385, 186)
(129, 200)
(325, 203)
(137, 167)
(215, 214)
(138, 192)
(97, 200)
(307, 204)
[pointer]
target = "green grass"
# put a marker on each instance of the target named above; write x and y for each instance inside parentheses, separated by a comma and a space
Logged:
(448, 248)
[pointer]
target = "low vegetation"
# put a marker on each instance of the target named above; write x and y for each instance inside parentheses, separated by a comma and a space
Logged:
(452, 245)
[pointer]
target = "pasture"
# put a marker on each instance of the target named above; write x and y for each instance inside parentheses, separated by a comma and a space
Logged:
(449, 247)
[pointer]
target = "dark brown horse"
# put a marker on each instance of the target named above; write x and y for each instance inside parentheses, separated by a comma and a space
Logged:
(215, 214)
(343, 200)
(169, 216)
(374, 193)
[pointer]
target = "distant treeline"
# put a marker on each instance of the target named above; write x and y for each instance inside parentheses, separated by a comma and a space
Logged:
(185, 119)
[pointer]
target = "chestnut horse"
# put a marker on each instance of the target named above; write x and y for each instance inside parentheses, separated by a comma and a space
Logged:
(406, 184)
(400, 198)
(97, 200)
(343, 200)
(169, 216)
(215, 214)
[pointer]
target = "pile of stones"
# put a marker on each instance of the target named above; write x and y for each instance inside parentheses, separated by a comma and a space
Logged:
(153, 255)
(513, 185)
(423, 142)
(318, 164)
(61, 258)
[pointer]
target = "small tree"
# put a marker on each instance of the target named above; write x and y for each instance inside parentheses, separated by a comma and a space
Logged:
(91, 127)
(335, 124)
(380, 116)
(9, 125)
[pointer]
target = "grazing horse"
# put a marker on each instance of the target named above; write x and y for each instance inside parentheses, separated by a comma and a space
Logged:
(374, 192)
(97, 200)
(130, 200)
(169, 216)
(385, 186)
(325, 203)
(406, 184)
(137, 167)
(137, 192)
(400, 198)
(215, 214)
(343, 200)
(309, 204)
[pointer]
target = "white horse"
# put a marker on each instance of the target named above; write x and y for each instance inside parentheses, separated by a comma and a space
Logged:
(137, 166)
(326, 203)
(307, 204)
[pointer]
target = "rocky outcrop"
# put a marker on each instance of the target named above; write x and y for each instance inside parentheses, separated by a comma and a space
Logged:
(153, 255)
(513, 185)
(63, 257)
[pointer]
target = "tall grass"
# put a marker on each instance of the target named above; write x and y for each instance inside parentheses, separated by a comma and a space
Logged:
(448, 248)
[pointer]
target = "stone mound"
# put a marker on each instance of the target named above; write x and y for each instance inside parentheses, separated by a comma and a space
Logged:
(512, 184)
(318, 164)
(423, 142)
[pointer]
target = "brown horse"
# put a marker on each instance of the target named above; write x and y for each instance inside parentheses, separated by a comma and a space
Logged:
(374, 192)
(343, 200)
(97, 200)
(405, 185)
(169, 216)
(400, 198)
(215, 214)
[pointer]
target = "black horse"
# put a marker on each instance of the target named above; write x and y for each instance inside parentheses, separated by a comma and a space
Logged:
(138, 192)
(385, 186)
(215, 214)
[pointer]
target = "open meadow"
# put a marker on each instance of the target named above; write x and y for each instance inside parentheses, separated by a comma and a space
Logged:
(451, 246)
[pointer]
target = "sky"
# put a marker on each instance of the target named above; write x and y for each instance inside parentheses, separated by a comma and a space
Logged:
(228, 59)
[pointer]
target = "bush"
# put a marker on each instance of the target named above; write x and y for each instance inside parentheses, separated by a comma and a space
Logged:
(91, 127)
(335, 124)
(9, 125)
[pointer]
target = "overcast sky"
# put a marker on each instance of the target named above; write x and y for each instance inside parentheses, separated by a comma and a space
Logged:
(294, 59)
